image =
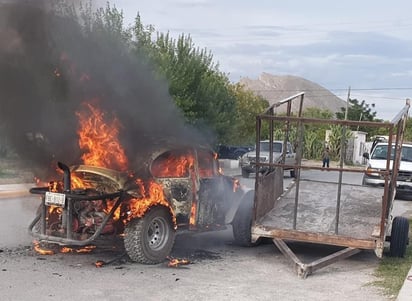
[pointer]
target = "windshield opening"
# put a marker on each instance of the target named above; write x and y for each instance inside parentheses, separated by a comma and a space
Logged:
(381, 152)
(264, 146)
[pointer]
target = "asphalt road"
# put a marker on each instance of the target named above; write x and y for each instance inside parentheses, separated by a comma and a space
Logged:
(218, 270)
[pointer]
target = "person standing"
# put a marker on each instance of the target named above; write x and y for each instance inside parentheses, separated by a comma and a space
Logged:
(325, 158)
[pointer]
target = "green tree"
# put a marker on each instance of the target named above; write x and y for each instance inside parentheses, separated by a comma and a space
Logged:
(335, 140)
(408, 131)
(361, 111)
(248, 106)
(197, 86)
(314, 138)
(358, 111)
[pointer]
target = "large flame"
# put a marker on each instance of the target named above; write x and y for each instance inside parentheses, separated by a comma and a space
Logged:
(100, 139)
(151, 195)
(100, 142)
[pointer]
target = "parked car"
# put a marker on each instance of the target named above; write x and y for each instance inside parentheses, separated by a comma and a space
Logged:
(176, 189)
(247, 161)
(376, 162)
(232, 152)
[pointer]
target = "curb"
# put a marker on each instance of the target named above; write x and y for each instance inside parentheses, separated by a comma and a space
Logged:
(406, 290)
(15, 190)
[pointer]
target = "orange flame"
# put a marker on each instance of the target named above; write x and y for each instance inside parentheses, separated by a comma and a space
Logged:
(173, 166)
(85, 249)
(40, 250)
(152, 194)
(99, 263)
(175, 262)
(100, 140)
(193, 212)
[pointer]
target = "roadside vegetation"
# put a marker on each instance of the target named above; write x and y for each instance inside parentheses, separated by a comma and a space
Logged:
(392, 271)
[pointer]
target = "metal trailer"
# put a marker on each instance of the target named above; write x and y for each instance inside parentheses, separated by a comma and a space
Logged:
(332, 212)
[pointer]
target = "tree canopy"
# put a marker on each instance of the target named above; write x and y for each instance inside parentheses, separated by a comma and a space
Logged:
(208, 100)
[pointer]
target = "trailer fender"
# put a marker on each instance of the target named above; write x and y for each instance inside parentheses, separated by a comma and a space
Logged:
(245, 201)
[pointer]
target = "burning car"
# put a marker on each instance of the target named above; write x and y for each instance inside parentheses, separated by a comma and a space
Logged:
(177, 189)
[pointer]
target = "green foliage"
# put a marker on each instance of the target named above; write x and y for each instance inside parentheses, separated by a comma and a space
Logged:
(314, 137)
(358, 111)
(314, 145)
(314, 112)
(248, 106)
(392, 271)
(335, 140)
(361, 111)
(198, 88)
(408, 130)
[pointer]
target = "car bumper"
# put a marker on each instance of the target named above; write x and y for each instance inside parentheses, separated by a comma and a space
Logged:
(400, 185)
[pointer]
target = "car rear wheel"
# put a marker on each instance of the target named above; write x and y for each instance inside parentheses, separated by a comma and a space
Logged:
(242, 223)
(399, 237)
(150, 239)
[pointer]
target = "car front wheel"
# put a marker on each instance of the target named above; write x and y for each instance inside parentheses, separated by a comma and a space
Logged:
(150, 239)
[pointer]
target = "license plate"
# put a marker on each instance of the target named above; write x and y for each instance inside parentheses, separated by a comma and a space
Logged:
(55, 199)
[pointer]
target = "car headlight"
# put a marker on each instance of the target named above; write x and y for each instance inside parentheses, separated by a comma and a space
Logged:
(372, 172)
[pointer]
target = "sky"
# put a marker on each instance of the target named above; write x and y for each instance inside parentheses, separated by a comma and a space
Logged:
(365, 45)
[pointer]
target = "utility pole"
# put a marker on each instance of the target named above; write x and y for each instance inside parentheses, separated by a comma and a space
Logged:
(347, 104)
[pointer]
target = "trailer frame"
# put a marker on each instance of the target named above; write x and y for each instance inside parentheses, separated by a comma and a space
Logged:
(282, 214)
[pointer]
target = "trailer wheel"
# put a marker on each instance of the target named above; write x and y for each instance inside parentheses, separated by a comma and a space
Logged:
(292, 173)
(399, 237)
(150, 239)
(242, 223)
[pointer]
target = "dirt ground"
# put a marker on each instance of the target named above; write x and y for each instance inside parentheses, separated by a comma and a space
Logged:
(218, 270)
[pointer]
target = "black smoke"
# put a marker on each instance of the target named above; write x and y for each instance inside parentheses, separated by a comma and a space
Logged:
(49, 66)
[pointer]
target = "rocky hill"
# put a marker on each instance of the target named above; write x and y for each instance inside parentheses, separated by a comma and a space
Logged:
(277, 87)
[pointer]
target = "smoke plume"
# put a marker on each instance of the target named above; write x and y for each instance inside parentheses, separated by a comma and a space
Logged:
(49, 67)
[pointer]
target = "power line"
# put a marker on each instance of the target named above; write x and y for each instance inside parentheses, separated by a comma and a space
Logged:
(337, 89)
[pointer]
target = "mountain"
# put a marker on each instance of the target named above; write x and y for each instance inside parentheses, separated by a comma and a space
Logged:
(277, 87)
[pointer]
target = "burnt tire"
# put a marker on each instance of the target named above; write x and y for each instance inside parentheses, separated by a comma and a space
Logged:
(150, 239)
(399, 237)
(242, 224)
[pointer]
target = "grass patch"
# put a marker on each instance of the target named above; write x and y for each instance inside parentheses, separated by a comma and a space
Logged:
(392, 271)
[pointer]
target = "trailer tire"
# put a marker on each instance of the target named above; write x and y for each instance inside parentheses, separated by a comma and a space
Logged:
(292, 173)
(150, 239)
(399, 237)
(242, 223)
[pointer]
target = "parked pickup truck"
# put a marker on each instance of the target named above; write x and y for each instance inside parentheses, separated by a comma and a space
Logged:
(247, 161)
(232, 152)
(377, 159)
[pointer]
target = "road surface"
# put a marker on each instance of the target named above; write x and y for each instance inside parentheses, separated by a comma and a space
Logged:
(218, 270)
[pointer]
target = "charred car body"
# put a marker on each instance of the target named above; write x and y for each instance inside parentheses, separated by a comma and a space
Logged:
(178, 189)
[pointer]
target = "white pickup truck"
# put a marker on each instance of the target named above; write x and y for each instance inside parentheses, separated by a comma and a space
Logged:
(377, 162)
(247, 161)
